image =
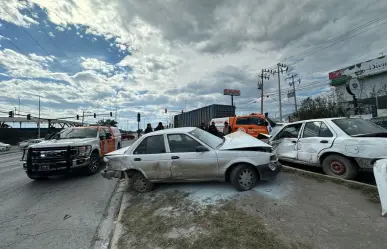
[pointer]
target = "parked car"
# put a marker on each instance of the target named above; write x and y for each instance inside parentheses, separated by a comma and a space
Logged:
(126, 136)
(74, 148)
(24, 144)
(341, 146)
(4, 146)
(191, 154)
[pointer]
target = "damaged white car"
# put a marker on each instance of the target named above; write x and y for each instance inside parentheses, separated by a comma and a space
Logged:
(191, 154)
(341, 146)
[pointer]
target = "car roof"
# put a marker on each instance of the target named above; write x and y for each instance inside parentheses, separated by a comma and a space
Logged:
(317, 119)
(173, 130)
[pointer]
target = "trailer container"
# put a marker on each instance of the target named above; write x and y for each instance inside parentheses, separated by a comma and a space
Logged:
(203, 115)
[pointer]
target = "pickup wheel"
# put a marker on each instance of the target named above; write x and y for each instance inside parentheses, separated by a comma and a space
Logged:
(340, 167)
(140, 183)
(243, 177)
(94, 164)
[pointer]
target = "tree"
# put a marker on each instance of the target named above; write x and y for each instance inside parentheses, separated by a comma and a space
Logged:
(107, 122)
(4, 125)
(319, 107)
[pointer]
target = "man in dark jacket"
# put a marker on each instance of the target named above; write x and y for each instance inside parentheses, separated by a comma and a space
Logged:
(212, 129)
(148, 128)
(203, 127)
(159, 127)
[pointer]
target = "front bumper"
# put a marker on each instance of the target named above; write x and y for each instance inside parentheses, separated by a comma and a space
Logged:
(55, 168)
(269, 171)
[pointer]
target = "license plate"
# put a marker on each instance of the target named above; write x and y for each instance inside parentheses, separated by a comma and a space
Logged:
(45, 167)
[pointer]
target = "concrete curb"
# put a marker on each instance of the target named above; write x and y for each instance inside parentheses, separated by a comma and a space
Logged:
(370, 191)
(118, 227)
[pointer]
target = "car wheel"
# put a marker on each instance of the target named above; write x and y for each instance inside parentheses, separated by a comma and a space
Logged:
(243, 177)
(94, 164)
(340, 167)
(140, 183)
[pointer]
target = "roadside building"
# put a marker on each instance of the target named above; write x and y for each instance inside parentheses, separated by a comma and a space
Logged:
(367, 80)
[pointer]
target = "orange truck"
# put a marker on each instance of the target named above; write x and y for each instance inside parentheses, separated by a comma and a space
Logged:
(252, 124)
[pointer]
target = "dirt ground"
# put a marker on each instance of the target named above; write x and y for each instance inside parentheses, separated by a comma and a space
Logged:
(291, 212)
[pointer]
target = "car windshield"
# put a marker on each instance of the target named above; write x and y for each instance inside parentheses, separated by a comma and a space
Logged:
(207, 138)
(78, 133)
(358, 126)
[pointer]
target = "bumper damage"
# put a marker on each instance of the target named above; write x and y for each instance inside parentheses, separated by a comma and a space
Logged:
(269, 171)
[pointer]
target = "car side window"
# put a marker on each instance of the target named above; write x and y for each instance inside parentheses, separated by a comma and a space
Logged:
(257, 121)
(179, 143)
(242, 121)
(311, 129)
(325, 131)
(107, 131)
(102, 133)
(290, 131)
(151, 145)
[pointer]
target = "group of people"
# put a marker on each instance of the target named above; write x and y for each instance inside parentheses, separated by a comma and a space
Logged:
(214, 131)
(150, 129)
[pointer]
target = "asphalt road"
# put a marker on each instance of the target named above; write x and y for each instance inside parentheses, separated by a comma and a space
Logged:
(62, 212)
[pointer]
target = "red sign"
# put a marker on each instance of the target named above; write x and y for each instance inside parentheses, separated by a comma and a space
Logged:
(232, 92)
(336, 74)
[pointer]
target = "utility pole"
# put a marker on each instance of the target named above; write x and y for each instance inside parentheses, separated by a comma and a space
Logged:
(293, 92)
(19, 105)
(264, 75)
(280, 69)
(39, 120)
(83, 117)
(115, 115)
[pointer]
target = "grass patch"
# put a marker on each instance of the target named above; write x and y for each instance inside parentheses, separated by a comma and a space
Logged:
(370, 192)
(184, 224)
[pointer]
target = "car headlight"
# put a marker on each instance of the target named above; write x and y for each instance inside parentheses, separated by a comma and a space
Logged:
(272, 166)
(83, 151)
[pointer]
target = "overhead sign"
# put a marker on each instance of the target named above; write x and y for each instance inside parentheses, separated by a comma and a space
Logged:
(232, 92)
(370, 67)
(353, 87)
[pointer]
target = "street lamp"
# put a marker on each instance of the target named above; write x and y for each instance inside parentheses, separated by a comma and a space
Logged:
(39, 115)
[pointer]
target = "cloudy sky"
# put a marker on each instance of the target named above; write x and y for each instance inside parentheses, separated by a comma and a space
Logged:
(144, 56)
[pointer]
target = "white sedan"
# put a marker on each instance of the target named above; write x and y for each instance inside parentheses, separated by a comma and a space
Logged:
(4, 147)
(191, 154)
(341, 146)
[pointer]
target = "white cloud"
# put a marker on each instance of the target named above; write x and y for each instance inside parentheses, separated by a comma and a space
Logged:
(95, 64)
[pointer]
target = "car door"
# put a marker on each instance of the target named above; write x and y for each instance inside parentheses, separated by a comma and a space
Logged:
(242, 124)
(316, 136)
(103, 142)
(110, 139)
(187, 164)
(150, 156)
(285, 142)
(257, 125)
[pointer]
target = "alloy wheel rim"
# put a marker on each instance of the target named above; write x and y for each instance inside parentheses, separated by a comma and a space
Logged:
(140, 184)
(337, 167)
(93, 164)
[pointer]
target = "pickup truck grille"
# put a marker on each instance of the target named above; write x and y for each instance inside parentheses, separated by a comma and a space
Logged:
(42, 155)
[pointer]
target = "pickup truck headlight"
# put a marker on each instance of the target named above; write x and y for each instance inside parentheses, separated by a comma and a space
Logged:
(83, 151)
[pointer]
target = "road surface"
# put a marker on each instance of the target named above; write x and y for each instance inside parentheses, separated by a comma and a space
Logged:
(62, 212)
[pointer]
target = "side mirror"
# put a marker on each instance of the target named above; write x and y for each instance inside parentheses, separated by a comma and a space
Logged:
(201, 149)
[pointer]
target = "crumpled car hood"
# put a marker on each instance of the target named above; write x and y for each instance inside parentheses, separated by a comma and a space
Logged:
(239, 140)
(64, 142)
(118, 152)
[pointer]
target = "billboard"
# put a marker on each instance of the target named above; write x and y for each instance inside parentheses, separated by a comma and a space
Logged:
(232, 92)
(370, 67)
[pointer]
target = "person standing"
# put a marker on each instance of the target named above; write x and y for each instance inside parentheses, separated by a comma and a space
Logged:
(148, 128)
(159, 127)
(212, 129)
(226, 129)
(203, 126)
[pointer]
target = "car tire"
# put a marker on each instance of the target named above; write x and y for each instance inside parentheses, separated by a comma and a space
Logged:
(94, 165)
(340, 167)
(243, 177)
(140, 183)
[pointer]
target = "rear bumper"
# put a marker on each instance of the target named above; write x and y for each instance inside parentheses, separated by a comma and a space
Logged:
(269, 171)
(55, 168)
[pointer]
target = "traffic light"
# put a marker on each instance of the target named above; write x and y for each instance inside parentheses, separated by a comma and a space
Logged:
(28, 116)
(138, 117)
(111, 114)
(166, 110)
(10, 113)
(77, 117)
(95, 115)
